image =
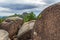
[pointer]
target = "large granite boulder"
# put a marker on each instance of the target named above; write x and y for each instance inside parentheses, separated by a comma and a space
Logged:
(4, 35)
(25, 32)
(47, 26)
(12, 25)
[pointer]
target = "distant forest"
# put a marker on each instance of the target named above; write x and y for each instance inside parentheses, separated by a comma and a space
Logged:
(26, 16)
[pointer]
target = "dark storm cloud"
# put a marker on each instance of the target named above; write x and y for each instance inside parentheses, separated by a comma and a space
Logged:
(18, 6)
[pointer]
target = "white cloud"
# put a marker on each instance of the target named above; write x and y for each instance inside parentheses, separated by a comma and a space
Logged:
(23, 1)
(33, 2)
(4, 9)
(1, 1)
(6, 14)
(30, 1)
(2, 13)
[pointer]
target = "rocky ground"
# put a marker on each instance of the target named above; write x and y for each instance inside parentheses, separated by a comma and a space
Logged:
(14, 28)
(46, 27)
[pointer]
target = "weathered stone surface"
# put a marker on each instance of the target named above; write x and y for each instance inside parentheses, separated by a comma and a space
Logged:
(4, 35)
(48, 26)
(15, 39)
(12, 25)
(25, 31)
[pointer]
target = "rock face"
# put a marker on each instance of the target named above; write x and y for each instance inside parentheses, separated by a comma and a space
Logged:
(12, 25)
(48, 26)
(25, 31)
(4, 35)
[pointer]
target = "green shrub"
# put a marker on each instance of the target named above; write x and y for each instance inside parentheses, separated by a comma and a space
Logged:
(40, 16)
(1, 20)
(29, 16)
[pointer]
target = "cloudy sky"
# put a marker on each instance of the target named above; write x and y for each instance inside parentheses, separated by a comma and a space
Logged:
(9, 7)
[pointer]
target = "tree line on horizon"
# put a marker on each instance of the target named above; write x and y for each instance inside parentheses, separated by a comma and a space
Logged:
(26, 16)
